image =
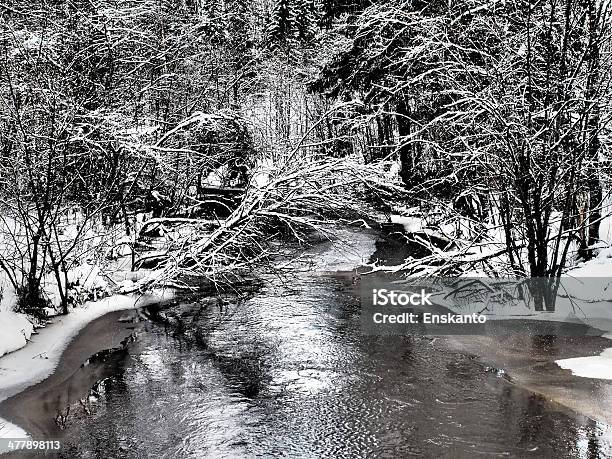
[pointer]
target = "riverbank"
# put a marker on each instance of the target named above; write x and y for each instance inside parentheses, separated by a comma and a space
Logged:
(44, 353)
(36, 406)
(296, 339)
(44, 367)
(530, 362)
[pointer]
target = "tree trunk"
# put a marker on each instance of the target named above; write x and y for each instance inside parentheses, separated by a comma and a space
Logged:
(593, 145)
(406, 155)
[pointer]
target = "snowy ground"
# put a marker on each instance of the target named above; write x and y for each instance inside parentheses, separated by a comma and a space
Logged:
(8, 430)
(599, 367)
(15, 330)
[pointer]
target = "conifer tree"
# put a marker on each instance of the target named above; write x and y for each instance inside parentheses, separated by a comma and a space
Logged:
(292, 20)
(304, 20)
(281, 22)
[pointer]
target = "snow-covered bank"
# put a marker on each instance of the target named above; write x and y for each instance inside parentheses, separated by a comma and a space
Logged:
(8, 430)
(598, 367)
(39, 358)
(87, 283)
(15, 330)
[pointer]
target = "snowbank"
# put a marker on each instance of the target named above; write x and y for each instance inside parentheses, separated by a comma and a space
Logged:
(15, 331)
(410, 224)
(36, 361)
(601, 266)
(599, 366)
(8, 430)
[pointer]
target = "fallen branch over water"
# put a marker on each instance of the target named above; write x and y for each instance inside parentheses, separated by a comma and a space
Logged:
(300, 195)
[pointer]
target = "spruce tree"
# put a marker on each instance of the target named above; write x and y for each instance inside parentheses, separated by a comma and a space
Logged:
(304, 20)
(292, 20)
(281, 22)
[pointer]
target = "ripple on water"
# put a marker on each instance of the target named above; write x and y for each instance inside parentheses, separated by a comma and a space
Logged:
(288, 373)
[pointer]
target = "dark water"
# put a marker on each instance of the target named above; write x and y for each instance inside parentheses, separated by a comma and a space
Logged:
(288, 373)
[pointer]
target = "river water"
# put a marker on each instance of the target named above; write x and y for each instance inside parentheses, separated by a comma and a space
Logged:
(287, 372)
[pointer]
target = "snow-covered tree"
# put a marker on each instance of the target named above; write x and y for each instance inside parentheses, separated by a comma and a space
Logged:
(499, 102)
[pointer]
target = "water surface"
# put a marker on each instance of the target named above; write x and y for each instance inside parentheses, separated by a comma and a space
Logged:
(288, 373)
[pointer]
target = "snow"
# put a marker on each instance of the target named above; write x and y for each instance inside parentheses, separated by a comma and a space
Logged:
(216, 177)
(8, 430)
(599, 366)
(122, 247)
(27, 42)
(605, 226)
(601, 266)
(88, 277)
(392, 174)
(261, 175)
(8, 297)
(87, 280)
(141, 130)
(15, 330)
(410, 224)
(81, 268)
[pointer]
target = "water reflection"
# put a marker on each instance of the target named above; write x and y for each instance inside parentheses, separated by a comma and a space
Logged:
(288, 373)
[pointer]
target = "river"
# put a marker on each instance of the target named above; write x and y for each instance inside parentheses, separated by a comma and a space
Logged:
(287, 372)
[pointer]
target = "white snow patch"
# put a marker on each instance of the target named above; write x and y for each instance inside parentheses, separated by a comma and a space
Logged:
(410, 224)
(262, 174)
(8, 430)
(605, 226)
(141, 130)
(598, 367)
(15, 330)
(123, 246)
(392, 175)
(597, 267)
(88, 277)
(216, 177)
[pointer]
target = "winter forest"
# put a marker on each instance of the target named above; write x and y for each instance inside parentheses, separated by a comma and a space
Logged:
(230, 124)
(200, 145)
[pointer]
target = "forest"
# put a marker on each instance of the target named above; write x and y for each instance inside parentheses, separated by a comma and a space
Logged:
(202, 201)
(230, 126)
